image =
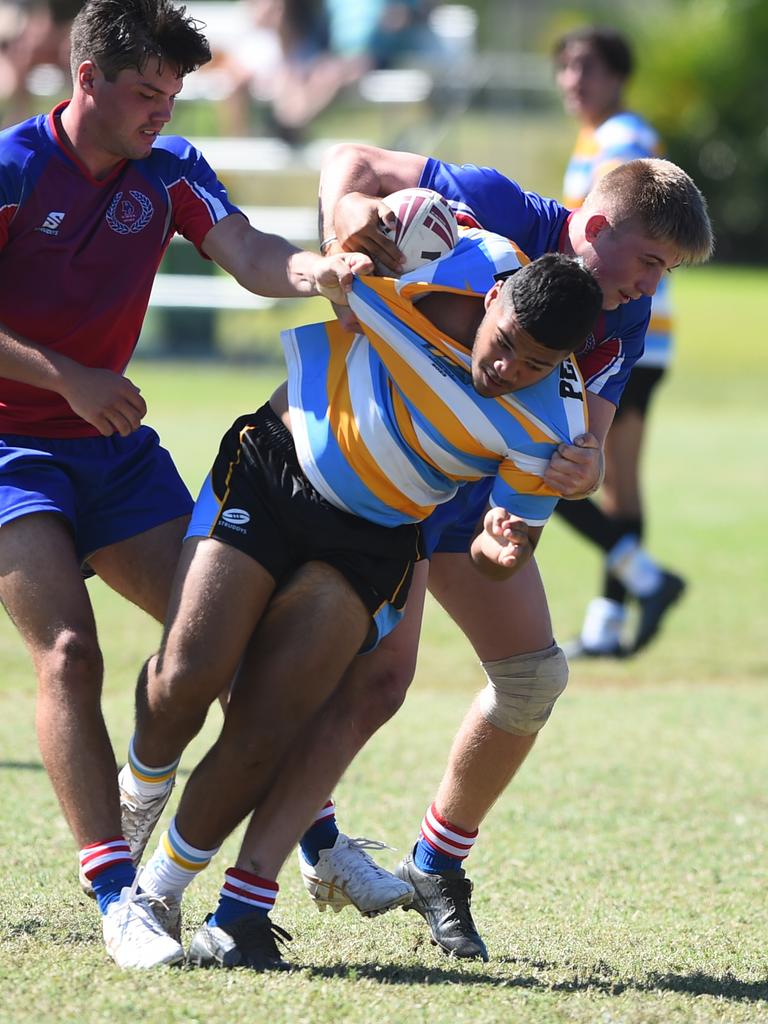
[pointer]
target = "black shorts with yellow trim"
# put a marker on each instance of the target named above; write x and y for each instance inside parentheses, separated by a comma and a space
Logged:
(257, 499)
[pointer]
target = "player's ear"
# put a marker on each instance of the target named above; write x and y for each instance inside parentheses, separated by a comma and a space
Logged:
(492, 294)
(86, 76)
(596, 224)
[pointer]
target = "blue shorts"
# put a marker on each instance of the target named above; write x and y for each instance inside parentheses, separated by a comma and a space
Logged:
(107, 488)
(452, 526)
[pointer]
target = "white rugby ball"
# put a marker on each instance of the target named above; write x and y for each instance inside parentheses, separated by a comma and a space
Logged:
(425, 228)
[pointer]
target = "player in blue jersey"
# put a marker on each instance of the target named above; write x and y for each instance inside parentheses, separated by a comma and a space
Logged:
(303, 539)
(593, 65)
(90, 197)
(638, 223)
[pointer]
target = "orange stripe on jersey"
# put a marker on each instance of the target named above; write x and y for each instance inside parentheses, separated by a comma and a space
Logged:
(526, 483)
(405, 426)
(428, 402)
(345, 430)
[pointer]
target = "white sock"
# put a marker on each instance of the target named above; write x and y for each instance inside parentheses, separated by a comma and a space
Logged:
(143, 781)
(634, 567)
(173, 865)
(603, 623)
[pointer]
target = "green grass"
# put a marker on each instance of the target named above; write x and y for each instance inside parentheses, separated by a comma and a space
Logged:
(620, 880)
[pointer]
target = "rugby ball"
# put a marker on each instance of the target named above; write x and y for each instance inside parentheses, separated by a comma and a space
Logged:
(425, 228)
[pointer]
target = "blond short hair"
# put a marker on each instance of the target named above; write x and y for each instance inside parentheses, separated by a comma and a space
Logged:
(660, 198)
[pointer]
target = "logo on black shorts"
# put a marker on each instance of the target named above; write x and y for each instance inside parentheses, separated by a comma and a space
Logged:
(236, 518)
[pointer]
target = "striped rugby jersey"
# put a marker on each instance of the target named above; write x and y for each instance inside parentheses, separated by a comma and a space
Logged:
(387, 424)
(625, 136)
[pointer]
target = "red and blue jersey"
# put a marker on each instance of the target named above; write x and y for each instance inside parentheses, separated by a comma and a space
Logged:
(482, 197)
(78, 255)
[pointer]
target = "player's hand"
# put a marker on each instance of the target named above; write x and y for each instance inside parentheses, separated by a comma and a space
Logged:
(106, 400)
(576, 470)
(360, 222)
(510, 544)
(334, 274)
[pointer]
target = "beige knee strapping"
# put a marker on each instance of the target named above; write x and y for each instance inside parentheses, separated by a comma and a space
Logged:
(522, 691)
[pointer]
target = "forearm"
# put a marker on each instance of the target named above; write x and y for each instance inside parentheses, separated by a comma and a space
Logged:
(276, 269)
(30, 363)
(351, 167)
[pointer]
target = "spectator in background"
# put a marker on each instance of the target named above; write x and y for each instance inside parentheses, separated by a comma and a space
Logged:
(593, 65)
(37, 32)
(302, 53)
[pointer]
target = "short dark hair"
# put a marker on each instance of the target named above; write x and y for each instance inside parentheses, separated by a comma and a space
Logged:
(613, 48)
(556, 300)
(119, 34)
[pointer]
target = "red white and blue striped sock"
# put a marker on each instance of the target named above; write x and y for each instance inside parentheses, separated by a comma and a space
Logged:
(243, 893)
(321, 834)
(442, 846)
(108, 866)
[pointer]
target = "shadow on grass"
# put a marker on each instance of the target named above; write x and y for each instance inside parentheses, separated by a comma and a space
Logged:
(698, 983)
(36, 766)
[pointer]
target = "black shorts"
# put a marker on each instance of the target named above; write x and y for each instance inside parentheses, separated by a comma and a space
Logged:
(639, 389)
(257, 499)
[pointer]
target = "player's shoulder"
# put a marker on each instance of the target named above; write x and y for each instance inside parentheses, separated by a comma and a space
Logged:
(628, 129)
(630, 318)
(173, 153)
(23, 146)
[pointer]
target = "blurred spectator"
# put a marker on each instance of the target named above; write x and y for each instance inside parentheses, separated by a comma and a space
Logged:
(301, 53)
(35, 32)
(592, 67)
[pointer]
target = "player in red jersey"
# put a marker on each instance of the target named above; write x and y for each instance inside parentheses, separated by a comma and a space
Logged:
(90, 197)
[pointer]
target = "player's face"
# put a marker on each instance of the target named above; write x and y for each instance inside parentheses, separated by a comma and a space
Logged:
(505, 357)
(129, 113)
(627, 264)
(591, 91)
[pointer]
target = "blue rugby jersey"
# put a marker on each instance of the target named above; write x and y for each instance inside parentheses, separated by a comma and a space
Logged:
(387, 424)
(483, 197)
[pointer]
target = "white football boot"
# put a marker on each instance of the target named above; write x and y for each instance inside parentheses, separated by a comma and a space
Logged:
(133, 935)
(345, 875)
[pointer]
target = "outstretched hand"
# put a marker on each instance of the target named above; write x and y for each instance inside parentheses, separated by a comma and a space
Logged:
(334, 274)
(576, 470)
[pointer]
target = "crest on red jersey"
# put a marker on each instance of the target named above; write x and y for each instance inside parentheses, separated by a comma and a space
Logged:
(129, 212)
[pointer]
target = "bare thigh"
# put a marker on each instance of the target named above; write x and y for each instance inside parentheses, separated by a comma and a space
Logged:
(141, 568)
(219, 595)
(309, 635)
(41, 585)
(500, 618)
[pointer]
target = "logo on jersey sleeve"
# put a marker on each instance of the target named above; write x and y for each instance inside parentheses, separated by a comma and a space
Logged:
(129, 212)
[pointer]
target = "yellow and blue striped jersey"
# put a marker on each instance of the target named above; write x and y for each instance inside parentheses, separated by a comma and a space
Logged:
(386, 422)
(625, 136)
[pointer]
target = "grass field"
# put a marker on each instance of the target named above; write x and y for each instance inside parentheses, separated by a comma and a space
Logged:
(621, 880)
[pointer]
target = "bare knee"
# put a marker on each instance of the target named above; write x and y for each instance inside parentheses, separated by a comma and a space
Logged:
(372, 694)
(72, 666)
(174, 688)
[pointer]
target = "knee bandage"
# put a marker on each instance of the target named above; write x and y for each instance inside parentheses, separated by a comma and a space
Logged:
(522, 691)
